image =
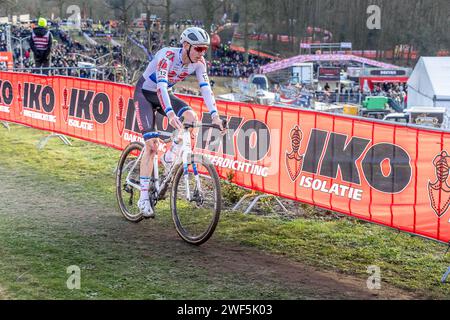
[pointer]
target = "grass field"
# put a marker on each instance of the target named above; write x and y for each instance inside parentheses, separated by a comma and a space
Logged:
(58, 209)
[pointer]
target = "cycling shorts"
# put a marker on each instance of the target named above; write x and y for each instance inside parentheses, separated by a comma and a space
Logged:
(147, 106)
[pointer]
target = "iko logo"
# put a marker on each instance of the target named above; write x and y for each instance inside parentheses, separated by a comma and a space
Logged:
(294, 159)
(386, 167)
(120, 116)
(6, 96)
(439, 191)
(38, 97)
(84, 108)
(65, 105)
(38, 101)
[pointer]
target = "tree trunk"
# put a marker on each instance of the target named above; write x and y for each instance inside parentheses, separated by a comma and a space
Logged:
(408, 61)
(61, 9)
(149, 27)
(209, 18)
(168, 12)
(246, 44)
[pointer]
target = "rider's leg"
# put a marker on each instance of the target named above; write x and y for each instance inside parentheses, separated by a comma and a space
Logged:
(146, 169)
(145, 115)
(150, 152)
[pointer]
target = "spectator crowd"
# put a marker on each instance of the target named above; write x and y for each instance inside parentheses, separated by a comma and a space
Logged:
(68, 53)
(396, 91)
(229, 63)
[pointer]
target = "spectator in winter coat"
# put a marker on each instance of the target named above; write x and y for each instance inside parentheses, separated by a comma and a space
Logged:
(41, 44)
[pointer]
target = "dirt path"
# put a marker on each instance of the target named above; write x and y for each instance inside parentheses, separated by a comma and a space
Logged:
(216, 257)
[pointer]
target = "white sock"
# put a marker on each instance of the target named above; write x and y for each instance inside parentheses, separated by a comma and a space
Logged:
(145, 185)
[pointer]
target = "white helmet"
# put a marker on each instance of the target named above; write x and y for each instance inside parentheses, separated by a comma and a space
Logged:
(195, 36)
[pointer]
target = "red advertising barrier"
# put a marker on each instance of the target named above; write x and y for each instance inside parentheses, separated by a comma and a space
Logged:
(388, 174)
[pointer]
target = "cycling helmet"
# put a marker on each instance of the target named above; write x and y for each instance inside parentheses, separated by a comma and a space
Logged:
(195, 36)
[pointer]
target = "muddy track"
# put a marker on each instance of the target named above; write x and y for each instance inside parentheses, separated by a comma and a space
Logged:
(216, 257)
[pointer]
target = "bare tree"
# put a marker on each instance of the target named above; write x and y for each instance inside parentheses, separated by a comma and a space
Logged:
(167, 6)
(122, 8)
(422, 25)
(210, 7)
(250, 12)
(147, 7)
(8, 5)
(60, 6)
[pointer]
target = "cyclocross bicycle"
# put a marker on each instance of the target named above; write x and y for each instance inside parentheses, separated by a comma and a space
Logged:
(195, 198)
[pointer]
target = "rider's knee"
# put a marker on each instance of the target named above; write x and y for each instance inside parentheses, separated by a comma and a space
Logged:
(190, 117)
(152, 146)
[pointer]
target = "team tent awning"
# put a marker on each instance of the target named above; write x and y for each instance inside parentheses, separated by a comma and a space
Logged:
(429, 84)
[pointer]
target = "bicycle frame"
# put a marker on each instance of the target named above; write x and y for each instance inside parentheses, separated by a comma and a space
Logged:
(197, 216)
(184, 155)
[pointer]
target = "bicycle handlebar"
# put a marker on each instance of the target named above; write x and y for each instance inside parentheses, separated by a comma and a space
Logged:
(206, 125)
(198, 125)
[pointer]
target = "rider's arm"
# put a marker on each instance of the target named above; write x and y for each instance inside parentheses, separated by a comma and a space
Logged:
(162, 78)
(205, 88)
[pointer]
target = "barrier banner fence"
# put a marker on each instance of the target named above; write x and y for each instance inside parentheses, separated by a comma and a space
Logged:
(6, 61)
(389, 174)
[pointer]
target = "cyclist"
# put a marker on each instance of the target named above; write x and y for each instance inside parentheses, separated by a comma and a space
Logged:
(153, 94)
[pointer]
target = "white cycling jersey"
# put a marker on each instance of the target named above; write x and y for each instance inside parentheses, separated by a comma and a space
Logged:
(166, 69)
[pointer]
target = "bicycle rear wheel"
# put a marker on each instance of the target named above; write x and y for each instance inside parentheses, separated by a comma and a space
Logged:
(196, 200)
(127, 192)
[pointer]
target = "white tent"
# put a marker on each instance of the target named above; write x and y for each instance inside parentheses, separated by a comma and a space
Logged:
(429, 84)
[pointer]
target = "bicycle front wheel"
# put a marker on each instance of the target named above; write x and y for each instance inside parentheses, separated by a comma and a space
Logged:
(196, 200)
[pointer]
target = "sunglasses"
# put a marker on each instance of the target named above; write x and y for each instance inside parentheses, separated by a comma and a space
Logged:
(200, 49)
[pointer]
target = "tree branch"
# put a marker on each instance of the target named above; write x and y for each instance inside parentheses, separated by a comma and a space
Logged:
(131, 4)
